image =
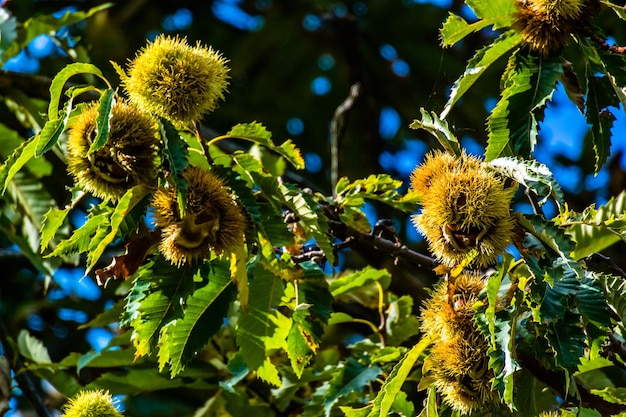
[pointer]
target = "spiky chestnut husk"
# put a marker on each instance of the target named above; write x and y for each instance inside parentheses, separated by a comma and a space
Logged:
(465, 206)
(547, 26)
(128, 158)
(458, 362)
(91, 404)
(212, 222)
(176, 81)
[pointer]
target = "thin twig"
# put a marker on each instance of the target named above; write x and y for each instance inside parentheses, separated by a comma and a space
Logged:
(337, 128)
(393, 249)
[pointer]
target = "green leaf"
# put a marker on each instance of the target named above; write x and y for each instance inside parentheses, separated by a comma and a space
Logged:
(478, 64)
(567, 339)
(32, 348)
(501, 9)
(46, 24)
(257, 133)
(401, 323)
(595, 229)
(156, 300)
(501, 352)
(533, 175)
(439, 129)
(311, 314)
(258, 328)
(12, 140)
(513, 123)
(351, 282)
(551, 235)
(352, 377)
(599, 97)
(615, 289)
(126, 204)
(16, 161)
(103, 120)
(52, 221)
(177, 155)
(204, 313)
(135, 381)
(62, 77)
(393, 384)
(380, 187)
(308, 211)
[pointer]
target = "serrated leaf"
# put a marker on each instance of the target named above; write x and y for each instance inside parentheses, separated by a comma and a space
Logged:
(567, 339)
(351, 377)
(124, 206)
(616, 294)
(259, 325)
(352, 282)
(257, 133)
(390, 389)
(307, 329)
(204, 314)
(155, 303)
(478, 64)
(501, 352)
(103, 120)
(177, 156)
(513, 123)
(81, 238)
(16, 161)
(550, 234)
(533, 175)
(439, 129)
(380, 187)
(13, 140)
(599, 97)
(52, 221)
(595, 229)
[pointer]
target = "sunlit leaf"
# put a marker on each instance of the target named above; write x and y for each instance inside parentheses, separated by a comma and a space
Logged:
(439, 129)
(154, 303)
(513, 124)
(257, 133)
(595, 229)
(533, 175)
(52, 221)
(204, 313)
(103, 119)
(390, 389)
(32, 348)
(478, 64)
(259, 325)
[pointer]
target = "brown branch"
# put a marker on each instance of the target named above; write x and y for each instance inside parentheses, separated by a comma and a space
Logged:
(393, 249)
(603, 44)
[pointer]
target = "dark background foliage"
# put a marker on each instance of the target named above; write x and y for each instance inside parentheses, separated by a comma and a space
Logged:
(292, 63)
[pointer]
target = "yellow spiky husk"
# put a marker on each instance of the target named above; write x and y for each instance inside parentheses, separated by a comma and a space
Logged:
(91, 404)
(465, 206)
(176, 81)
(128, 158)
(458, 361)
(547, 26)
(213, 221)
